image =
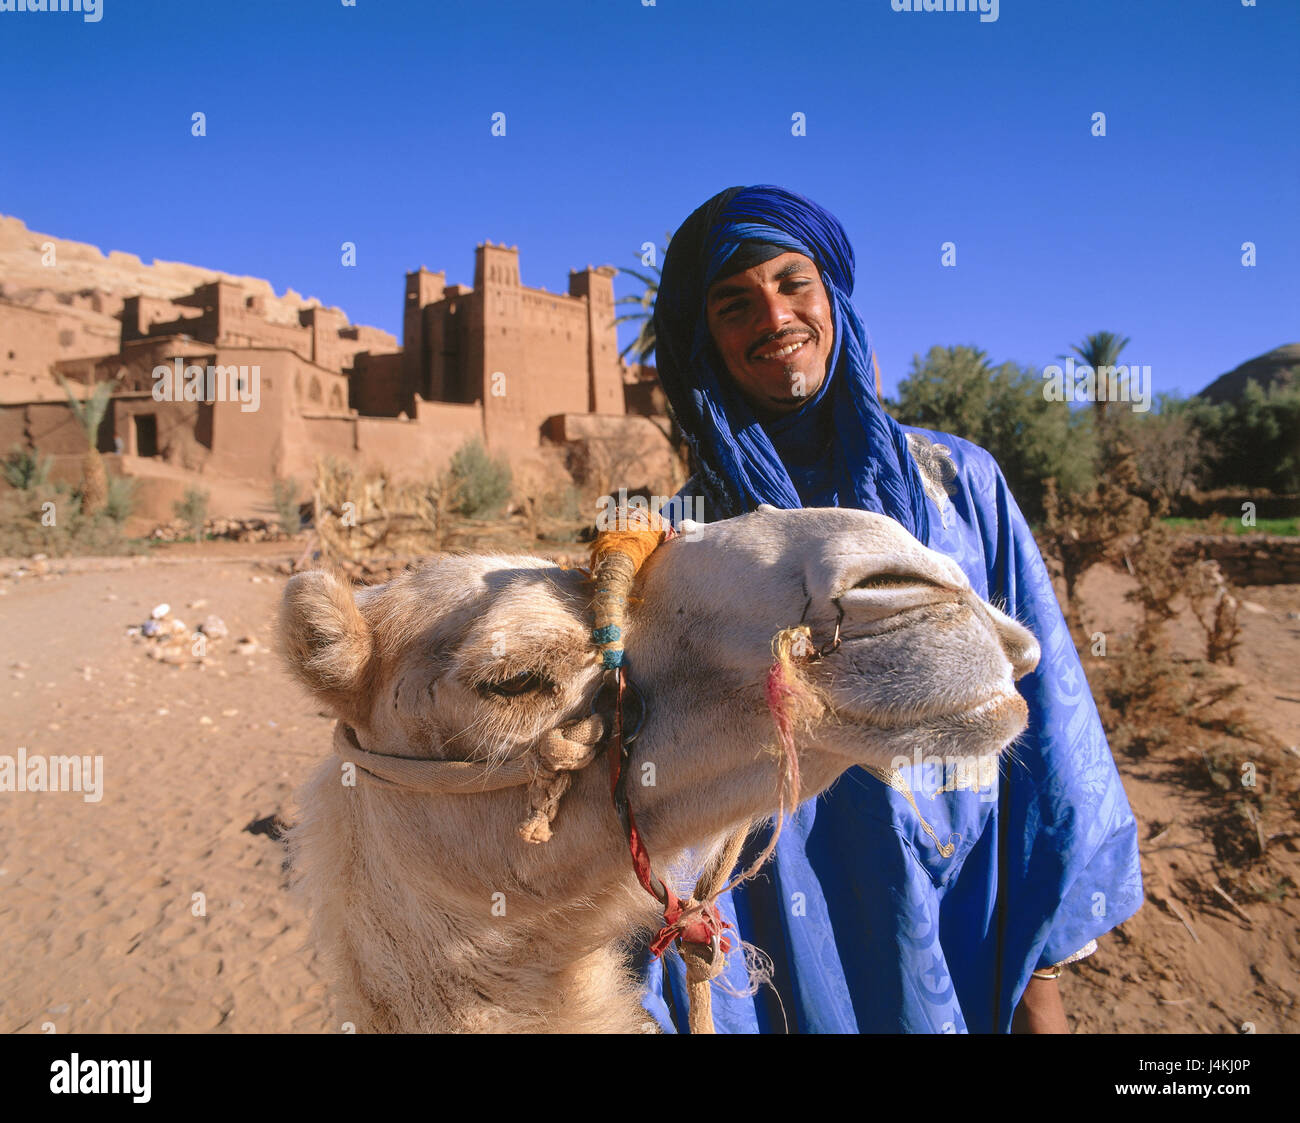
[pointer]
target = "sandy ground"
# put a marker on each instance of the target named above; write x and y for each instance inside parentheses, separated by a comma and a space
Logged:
(97, 905)
(99, 917)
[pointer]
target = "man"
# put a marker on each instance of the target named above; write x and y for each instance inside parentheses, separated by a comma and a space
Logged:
(940, 902)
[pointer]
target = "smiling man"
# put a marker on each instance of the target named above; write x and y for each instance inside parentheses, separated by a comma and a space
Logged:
(772, 327)
(918, 900)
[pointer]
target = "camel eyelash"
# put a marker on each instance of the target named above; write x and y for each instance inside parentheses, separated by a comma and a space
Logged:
(516, 686)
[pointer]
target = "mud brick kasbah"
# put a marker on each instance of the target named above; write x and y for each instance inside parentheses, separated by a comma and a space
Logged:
(527, 370)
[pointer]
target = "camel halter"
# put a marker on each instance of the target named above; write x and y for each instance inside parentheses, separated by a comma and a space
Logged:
(694, 924)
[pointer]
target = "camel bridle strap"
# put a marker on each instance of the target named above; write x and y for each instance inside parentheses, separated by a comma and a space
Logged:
(547, 773)
(692, 922)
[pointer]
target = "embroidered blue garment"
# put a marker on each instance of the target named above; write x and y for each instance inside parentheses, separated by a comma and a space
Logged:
(873, 923)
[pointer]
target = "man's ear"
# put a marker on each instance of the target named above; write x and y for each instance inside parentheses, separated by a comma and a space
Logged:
(326, 642)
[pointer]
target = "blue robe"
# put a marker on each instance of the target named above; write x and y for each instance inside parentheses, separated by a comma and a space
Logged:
(871, 928)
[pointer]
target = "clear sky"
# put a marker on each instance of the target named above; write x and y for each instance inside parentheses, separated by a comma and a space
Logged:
(372, 124)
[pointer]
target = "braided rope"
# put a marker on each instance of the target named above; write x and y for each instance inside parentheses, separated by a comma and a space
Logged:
(616, 557)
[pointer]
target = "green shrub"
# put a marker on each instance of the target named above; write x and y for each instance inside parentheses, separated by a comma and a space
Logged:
(284, 498)
(193, 510)
(121, 498)
(480, 483)
(28, 527)
(1254, 438)
(25, 469)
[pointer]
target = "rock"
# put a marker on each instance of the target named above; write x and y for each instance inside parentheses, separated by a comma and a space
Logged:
(150, 628)
(214, 627)
(160, 610)
(246, 646)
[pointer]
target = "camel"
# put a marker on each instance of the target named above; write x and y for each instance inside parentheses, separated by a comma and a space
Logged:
(431, 909)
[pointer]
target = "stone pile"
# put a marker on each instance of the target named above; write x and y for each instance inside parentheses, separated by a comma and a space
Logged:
(168, 639)
(237, 530)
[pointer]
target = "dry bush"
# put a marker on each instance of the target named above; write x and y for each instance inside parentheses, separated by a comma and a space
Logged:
(1096, 526)
(24, 530)
(363, 514)
(1215, 608)
(1185, 715)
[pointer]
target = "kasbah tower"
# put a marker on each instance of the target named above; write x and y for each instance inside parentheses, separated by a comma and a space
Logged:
(530, 356)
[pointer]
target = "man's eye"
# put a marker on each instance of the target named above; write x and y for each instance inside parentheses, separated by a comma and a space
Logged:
(730, 308)
(526, 682)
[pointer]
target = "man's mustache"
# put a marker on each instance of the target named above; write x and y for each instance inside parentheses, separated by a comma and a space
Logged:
(803, 333)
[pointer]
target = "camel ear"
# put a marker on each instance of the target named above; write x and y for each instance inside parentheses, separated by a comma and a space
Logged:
(326, 642)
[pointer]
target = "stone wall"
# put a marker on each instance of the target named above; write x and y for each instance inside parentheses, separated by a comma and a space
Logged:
(1247, 559)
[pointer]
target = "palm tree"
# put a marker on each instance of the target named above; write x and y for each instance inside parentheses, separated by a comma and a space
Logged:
(1097, 351)
(643, 346)
(89, 413)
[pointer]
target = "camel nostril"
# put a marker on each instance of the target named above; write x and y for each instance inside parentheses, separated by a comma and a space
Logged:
(1018, 643)
(1023, 652)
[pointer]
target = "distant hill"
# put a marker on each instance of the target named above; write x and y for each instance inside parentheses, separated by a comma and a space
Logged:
(1277, 366)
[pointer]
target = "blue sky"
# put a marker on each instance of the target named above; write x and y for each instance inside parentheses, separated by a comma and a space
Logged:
(372, 123)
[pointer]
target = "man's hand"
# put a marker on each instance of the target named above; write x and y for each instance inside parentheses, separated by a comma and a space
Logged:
(1040, 1009)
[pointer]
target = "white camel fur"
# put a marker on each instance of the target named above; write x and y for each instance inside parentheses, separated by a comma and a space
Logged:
(432, 911)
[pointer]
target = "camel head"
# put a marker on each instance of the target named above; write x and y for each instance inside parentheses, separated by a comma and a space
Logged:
(476, 658)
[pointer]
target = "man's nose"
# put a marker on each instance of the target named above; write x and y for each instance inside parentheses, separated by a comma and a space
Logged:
(774, 313)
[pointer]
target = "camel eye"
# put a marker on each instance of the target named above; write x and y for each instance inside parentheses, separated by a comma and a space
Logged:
(526, 682)
(890, 581)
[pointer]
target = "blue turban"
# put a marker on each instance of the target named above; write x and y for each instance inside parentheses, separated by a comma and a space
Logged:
(739, 465)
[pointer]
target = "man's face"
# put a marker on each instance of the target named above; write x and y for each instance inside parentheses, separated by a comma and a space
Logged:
(757, 316)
